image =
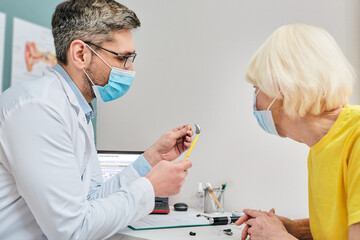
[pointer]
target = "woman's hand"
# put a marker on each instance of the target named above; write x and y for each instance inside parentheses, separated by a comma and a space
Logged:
(262, 225)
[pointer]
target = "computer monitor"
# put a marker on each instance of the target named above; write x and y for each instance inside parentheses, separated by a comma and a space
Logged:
(113, 162)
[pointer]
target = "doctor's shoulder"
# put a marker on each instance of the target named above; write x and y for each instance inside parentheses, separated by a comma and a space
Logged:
(32, 93)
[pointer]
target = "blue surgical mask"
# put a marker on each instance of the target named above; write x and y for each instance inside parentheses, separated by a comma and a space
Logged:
(119, 83)
(264, 118)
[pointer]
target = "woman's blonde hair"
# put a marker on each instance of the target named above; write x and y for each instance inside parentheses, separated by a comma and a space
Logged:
(305, 63)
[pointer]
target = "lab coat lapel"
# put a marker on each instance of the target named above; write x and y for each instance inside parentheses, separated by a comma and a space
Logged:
(82, 122)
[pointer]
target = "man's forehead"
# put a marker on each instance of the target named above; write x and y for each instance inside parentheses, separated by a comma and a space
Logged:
(122, 42)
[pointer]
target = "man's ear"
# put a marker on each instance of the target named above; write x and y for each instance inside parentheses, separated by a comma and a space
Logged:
(79, 55)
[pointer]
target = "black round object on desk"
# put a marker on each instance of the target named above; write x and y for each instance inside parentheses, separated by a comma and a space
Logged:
(180, 207)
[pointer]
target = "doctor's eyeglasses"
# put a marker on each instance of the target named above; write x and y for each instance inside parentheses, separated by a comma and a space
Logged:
(128, 59)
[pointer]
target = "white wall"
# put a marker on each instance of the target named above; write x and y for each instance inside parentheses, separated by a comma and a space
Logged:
(190, 68)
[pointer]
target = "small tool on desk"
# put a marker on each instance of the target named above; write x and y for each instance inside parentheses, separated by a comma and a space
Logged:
(228, 232)
(201, 215)
(237, 213)
(222, 220)
(192, 233)
(213, 196)
(197, 131)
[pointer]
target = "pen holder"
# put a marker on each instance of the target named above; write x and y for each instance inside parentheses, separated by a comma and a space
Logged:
(210, 205)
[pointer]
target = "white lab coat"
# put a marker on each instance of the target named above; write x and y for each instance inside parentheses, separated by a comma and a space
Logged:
(50, 180)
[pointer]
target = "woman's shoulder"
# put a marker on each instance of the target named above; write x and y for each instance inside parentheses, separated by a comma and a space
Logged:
(350, 118)
(351, 112)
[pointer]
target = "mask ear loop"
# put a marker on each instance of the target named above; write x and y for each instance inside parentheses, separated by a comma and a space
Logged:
(98, 55)
(88, 77)
(273, 100)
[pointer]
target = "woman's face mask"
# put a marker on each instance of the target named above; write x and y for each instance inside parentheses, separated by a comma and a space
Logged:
(264, 118)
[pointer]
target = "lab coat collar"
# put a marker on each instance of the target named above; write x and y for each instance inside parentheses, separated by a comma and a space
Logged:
(86, 107)
(69, 93)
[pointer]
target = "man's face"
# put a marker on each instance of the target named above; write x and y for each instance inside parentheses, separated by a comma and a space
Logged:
(122, 44)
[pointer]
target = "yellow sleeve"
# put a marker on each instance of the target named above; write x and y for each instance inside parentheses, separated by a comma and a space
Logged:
(353, 183)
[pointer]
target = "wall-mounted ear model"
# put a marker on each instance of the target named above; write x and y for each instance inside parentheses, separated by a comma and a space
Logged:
(34, 56)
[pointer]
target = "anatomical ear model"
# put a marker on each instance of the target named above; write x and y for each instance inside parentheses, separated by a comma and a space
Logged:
(33, 56)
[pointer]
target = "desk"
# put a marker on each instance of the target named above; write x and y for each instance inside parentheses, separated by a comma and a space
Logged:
(204, 232)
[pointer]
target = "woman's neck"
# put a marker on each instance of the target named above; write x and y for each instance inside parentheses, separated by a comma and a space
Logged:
(309, 129)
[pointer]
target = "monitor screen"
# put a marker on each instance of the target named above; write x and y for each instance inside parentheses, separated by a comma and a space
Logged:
(112, 162)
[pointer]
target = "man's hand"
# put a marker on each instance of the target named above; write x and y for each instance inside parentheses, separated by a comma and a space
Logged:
(262, 225)
(167, 178)
(170, 145)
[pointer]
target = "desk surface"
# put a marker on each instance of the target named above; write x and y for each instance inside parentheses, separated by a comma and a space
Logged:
(203, 232)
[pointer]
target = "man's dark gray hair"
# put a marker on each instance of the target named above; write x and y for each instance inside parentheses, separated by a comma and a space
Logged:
(89, 20)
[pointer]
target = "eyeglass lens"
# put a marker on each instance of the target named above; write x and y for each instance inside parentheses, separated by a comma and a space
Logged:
(129, 61)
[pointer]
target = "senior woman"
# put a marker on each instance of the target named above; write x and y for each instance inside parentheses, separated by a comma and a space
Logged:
(302, 85)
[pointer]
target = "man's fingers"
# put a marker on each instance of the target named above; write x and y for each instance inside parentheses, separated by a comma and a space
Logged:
(187, 145)
(185, 165)
(241, 220)
(252, 213)
(182, 131)
(181, 127)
